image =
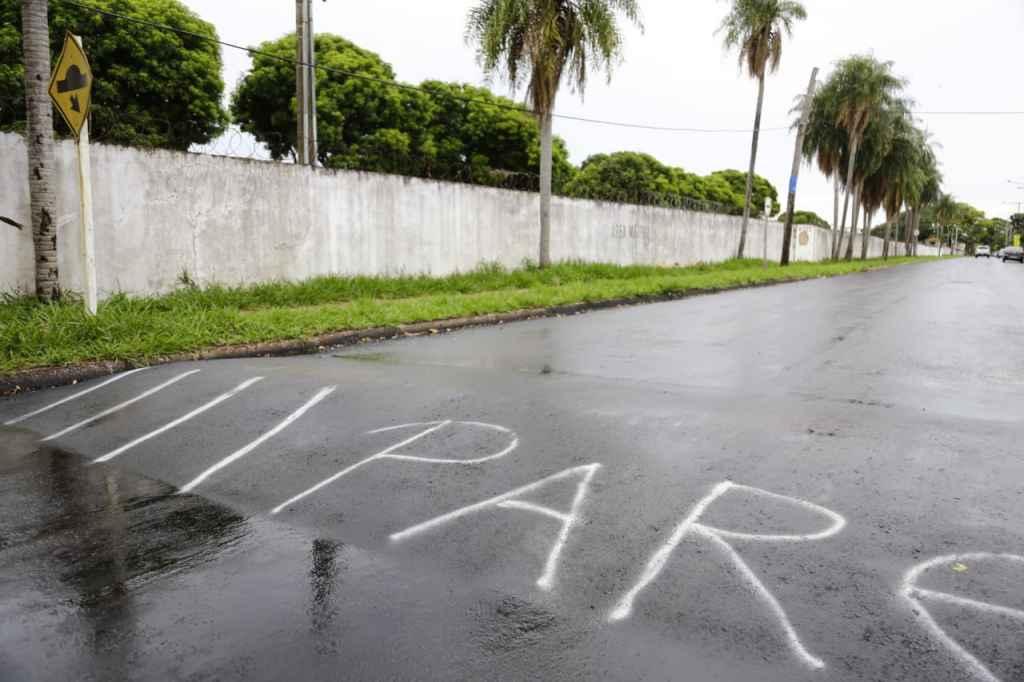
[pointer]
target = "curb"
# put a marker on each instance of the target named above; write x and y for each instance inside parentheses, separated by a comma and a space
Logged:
(51, 377)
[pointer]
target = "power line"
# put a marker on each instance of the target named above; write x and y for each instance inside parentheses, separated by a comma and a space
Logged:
(476, 100)
(406, 86)
(969, 113)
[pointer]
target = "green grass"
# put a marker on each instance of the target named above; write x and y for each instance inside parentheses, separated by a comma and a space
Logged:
(140, 329)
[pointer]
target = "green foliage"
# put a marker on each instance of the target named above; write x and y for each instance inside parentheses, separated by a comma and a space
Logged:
(447, 131)
(34, 334)
(1017, 220)
(756, 29)
(547, 42)
(633, 177)
(806, 218)
(762, 190)
(349, 110)
(153, 88)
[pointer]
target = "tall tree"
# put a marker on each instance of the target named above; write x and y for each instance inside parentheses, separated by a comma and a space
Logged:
(542, 42)
(946, 213)
(886, 187)
(825, 143)
(153, 87)
(369, 121)
(866, 87)
(36, 40)
(756, 29)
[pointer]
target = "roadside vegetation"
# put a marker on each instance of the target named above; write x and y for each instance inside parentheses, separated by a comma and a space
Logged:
(36, 334)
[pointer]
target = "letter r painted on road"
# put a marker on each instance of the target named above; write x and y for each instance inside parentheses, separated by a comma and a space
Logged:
(510, 500)
(718, 537)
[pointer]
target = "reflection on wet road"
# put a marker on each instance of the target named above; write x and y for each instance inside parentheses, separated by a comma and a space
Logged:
(805, 482)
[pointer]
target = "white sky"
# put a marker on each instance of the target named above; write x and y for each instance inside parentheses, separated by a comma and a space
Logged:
(958, 56)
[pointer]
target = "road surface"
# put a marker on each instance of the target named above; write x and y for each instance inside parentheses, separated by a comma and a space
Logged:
(813, 481)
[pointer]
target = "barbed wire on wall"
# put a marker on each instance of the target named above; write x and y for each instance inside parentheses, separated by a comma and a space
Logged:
(111, 127)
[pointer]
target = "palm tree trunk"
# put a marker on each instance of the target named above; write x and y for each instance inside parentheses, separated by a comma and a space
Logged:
(888, 234)
(43, 200)
(753, 163)
(835, 211)
(545, 189)
(907, 230)
(917, 228)
(866, 235)
(842, 228)
(850, 187)
(853, 224)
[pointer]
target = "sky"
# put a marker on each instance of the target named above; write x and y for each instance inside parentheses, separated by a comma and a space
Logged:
(957, 56)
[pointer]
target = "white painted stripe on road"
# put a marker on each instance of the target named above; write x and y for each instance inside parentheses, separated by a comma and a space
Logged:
(510, 500)
(912, 593)
(180, 420)
(327, 481)
(238, 454)
(624, 607)
(121, 406)
(111, 380)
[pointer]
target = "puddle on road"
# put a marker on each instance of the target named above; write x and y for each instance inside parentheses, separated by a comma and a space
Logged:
(385, 358)
(95, 532)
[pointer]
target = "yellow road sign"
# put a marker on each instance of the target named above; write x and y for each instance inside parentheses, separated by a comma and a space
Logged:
(71, 85)
(1016, 240)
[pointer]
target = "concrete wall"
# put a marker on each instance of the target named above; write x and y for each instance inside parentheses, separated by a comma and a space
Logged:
(159, 214)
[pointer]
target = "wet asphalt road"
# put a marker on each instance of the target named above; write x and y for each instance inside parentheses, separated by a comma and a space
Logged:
(876, 418)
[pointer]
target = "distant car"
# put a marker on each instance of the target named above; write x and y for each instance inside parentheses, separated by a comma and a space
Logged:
(1013, 253)
(983, 251)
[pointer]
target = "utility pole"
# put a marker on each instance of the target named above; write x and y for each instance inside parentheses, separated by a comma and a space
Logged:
(305, 84)
(787, 235)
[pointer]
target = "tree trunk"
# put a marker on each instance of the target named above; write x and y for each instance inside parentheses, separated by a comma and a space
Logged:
(853, 225)
(842, 228)
(917, 228)
(888, 234)
(908, 227)
(43, 199)
(835, 211)
(545, 189)
(850, 187)
(866, 235)
(753, 163)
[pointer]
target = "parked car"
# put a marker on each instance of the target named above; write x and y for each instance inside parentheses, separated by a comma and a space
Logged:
(982, 251)
(1013, 253)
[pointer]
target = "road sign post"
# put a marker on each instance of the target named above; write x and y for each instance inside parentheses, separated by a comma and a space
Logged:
(71, 90)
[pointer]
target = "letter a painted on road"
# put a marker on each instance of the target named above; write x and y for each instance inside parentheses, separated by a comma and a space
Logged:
(71, 85)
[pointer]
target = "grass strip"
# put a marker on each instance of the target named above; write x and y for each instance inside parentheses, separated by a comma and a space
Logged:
(138, 329)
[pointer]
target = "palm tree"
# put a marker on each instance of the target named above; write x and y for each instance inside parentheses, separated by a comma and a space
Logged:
(36, 45)
(876, 147)
(825, 143)
(756, 28)
(946, 211)
(931, 190)
(543, 41)
(893, 179)
(865, 88)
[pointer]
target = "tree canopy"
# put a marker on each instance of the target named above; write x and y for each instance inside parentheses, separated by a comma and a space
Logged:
(762, 189)
(370, 121)
(634, 177)
(153, 88)
(806, 218)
